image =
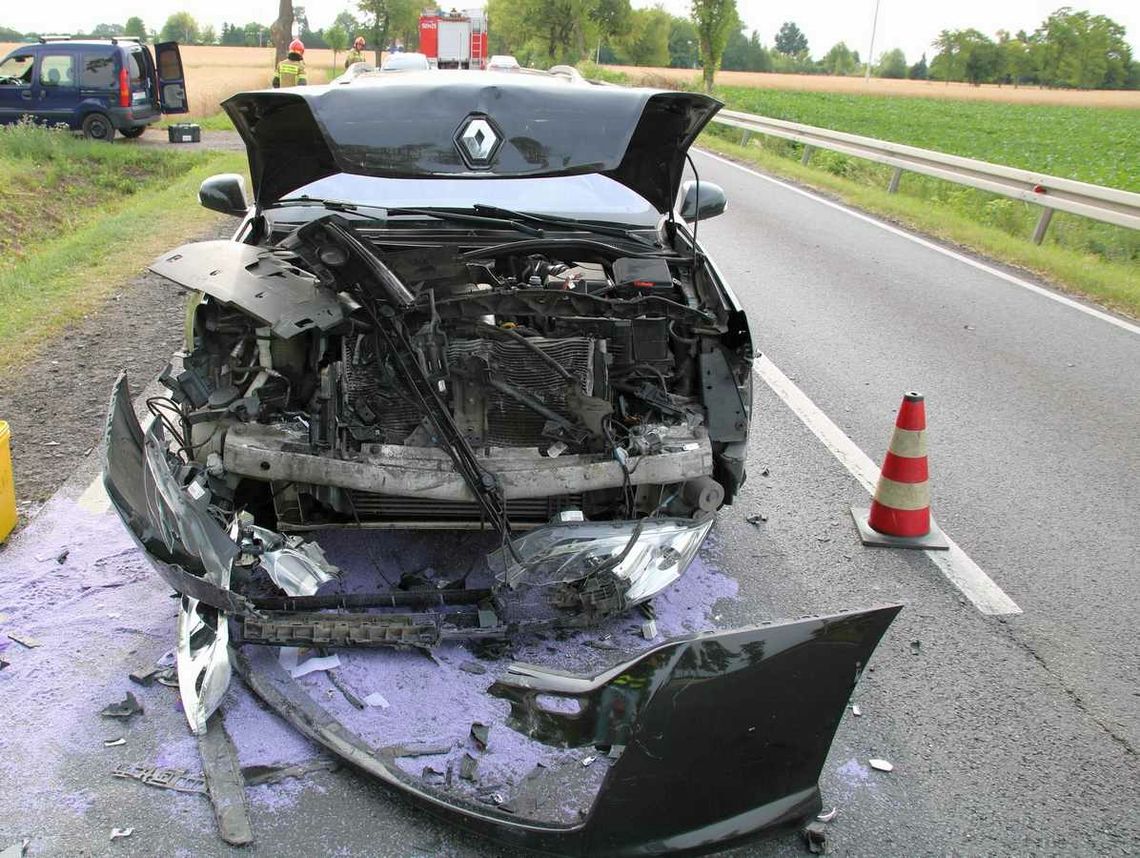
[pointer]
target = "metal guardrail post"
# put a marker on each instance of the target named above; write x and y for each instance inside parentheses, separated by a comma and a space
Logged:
(896, 176)
(745, 137)
(1042, 225)
(807, 155)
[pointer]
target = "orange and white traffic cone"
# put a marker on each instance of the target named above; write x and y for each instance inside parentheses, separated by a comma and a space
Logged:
(899, 516)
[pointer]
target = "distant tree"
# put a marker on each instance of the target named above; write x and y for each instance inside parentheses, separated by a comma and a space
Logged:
(683, 48)
(135, 27)
(180, 27)
(919, 71)
(892, 64)
(746, 53)
(1083, 50)
(232, 35)
(107, 31)
(336, 38)
(647, 41)
(349, 24)
(840, 60)
(964, 55)
(208, 35)
(715, 21)
(790, 40)
(255, 35)
(387, 18)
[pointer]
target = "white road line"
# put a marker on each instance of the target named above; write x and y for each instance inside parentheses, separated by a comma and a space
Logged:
(955, 564)
(960, 257)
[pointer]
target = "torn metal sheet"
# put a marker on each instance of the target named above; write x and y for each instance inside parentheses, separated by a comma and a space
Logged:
(262, 283)
(758, 769)
(224, 783)
(24, 640)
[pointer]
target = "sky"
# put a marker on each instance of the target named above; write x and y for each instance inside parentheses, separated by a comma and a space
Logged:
(907, 24)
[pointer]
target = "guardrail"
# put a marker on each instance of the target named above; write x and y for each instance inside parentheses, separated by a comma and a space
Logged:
(1053, 193)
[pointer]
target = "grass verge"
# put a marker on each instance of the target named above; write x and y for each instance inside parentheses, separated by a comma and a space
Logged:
(57, 274)
(1114, 282)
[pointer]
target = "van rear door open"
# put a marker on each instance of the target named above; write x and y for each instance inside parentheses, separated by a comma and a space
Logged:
(171, 79)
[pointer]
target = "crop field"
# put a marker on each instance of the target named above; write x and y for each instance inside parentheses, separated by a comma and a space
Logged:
(954, 91)
(1090, 144)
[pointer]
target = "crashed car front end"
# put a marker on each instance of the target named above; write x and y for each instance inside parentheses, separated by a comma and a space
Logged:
(579, 390)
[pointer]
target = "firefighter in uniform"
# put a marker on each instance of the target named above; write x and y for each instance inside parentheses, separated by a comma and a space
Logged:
(291, 70)
(356, 55)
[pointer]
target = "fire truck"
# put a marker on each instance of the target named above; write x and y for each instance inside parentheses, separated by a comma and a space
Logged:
(454, 40)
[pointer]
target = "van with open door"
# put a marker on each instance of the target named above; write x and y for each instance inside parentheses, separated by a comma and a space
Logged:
(97, 86)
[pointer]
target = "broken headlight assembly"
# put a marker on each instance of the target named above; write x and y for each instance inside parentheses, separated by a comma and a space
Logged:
(641, 557)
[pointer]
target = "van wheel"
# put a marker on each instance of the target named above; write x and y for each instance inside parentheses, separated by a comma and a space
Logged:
(132, 133)
(96, 126)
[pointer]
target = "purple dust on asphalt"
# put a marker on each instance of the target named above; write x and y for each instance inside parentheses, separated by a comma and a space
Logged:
(103, 612)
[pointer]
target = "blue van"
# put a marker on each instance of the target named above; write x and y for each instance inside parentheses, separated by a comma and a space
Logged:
(94, 86)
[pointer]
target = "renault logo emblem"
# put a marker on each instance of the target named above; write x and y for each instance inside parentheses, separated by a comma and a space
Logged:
(477, 141)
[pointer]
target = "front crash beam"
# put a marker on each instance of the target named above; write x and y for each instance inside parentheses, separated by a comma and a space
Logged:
(725, 736)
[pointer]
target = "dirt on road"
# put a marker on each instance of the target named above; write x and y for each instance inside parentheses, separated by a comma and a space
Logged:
(56, 402)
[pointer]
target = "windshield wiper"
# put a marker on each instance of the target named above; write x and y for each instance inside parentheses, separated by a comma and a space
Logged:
(474, 219)
(567, 222)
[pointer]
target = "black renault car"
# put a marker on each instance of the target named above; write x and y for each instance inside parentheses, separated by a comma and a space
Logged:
(99, 87)
(475, 300)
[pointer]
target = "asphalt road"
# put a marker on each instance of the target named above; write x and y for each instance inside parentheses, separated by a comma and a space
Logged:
(1009, 734)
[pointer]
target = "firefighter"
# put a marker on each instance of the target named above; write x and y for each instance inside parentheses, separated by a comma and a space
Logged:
(356, 55)
(291, 70)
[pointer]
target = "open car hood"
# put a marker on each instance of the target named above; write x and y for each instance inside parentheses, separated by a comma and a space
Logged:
(410, 126)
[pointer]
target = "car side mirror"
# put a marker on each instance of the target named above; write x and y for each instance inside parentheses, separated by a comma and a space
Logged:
(711, 203)
(225, 193)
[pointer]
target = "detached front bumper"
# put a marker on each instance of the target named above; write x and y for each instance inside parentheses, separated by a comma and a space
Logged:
(722, 734)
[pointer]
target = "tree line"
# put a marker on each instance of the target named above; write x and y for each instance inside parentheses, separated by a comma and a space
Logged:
(1070, 48)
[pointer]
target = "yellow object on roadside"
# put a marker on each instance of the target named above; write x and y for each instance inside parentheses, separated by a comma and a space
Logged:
(7, 488)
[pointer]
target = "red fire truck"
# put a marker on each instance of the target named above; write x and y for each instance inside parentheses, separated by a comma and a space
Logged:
(454, 40)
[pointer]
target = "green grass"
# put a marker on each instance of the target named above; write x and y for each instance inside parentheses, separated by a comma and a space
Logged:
(992, 226)
(81, 218)
(1090, 144)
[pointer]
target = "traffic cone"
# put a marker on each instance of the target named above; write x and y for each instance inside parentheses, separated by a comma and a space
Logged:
(899, 516)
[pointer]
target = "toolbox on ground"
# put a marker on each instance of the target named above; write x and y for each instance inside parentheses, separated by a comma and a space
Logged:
(7, 489)
(184, 132)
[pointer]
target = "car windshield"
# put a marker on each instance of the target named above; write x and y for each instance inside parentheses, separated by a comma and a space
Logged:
(586, 197)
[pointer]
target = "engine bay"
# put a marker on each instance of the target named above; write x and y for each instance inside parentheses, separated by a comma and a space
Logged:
(584, 375)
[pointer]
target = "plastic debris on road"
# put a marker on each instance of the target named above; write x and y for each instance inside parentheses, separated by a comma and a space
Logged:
(881, 765)
(855, 710)
(376, 699)
(114, 743)
(815, 838)
(125, 708)
(829, 815)
(290, 656)
(116, 833)
(24, 640)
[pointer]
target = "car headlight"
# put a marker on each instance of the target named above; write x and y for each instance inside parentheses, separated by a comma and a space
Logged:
(564, 553)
